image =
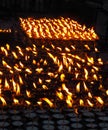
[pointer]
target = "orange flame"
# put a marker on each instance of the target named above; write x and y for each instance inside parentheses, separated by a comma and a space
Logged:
(99, 99)
(48, 101)
(65, 29)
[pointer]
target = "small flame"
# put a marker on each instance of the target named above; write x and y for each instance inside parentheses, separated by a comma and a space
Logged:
(78, 87)
(15, 55)
(62, 77)
(90, 95)
(7, 86)
(99, 99)
(95, 77)
(5, 64)
(1, 73)
(81, 102)
(17, 89)
(86, 73)
(4, 51)
(3, 101)
(40, 80)
(28, 71)
(48, 101)
(69, 100)
(60, 67)
(60, 95)
(8, 47)
(28, 93)
(107, 92)
(87, 47)
(85, 87)
(28, 103)
(89, 103)
(44, 87)
(20, 80)
(100, 61)
(39, 70)
(34, 85)
(16, 101)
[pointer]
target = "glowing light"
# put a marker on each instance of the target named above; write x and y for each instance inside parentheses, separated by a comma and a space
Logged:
(65, 29)
(99, 99)
(48, 101)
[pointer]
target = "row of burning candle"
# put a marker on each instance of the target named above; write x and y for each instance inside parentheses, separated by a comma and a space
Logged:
(34, 64)
(61, 28)
(5, 30)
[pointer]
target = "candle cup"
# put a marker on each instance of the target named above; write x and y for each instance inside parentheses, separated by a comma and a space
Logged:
(17, 124)
(32, 123)
(48, 127)
(89, 120)
(88, 114)
(30, 115)
(48, 122)
(103, 119)
(63, 128)
(4, 124)
(77, 126)
(3, 117)
(16, 118)
(58, 116)
(32, 128)
(63, 122)
(103, 125)
(75, 119)
(91, 125)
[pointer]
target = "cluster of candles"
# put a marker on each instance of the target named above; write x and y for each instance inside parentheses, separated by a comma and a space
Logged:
(51, 73)
(61, 28)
